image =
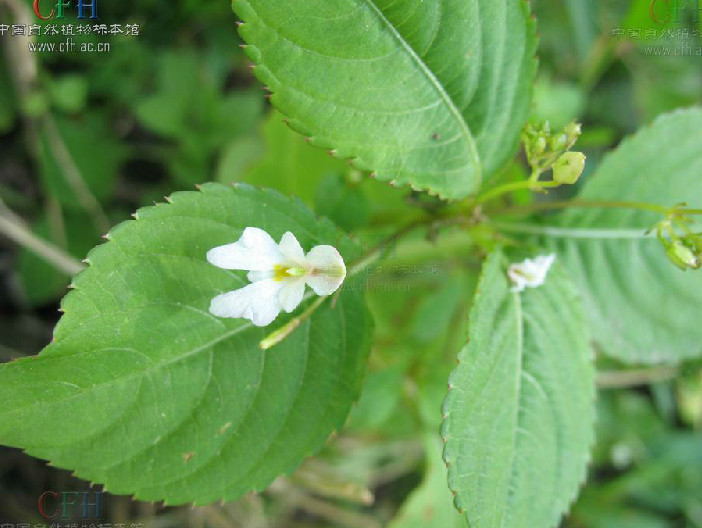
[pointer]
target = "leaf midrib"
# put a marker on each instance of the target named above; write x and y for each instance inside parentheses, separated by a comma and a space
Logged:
(445, 97)
(520, 352)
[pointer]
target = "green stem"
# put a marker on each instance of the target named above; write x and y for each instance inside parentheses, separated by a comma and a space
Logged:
(515, 186)
(535, 174)
(277, 336)
(549, 206)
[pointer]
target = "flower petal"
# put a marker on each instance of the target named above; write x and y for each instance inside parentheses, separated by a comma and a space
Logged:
(259, 275)
(255, 250)
(325, 269)
(291, 294)
(257, 302)
(291, 249)
(530, 273)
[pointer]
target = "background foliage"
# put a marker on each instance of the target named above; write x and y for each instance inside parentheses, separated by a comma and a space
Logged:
(89, 138)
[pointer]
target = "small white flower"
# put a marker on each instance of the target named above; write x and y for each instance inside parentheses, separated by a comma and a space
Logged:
(530, 273)
(278, 275)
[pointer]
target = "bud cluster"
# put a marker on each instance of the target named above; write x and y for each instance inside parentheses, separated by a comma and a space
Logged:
(551, 150)
(685, 251)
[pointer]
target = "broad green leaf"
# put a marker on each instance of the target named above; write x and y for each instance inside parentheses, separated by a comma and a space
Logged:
(429, 506)
(430, 94)
(519, 413)
(165, 401)
(641, 308)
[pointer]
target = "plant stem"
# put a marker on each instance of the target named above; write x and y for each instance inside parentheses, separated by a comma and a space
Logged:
(12, 227)
(515, 186)
(549, 206)
(73, 176)
(631, 378)
(377, 252)
(277, 336)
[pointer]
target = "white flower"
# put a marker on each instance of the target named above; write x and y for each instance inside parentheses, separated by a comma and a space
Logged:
(530, 273)
(278, 275)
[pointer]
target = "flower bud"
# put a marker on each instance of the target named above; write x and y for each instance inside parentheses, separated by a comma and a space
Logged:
(540, 145)
(682, 256)
(573, 131)
(559, 142)
(568, 167)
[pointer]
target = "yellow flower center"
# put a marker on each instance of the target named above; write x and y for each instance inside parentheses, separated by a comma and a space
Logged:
(284, 272)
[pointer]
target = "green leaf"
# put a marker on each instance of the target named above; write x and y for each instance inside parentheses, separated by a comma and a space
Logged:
(429, 506)
(165, 401)
(519, 413)
(430, 94)
(641, 308)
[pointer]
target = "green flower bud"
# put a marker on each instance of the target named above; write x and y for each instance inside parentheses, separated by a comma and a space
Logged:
(559, 142)
(539, 145)
(682, 256)
(568, 167)
(573, 131)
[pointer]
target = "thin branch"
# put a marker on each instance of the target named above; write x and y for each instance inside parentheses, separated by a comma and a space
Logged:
(616, 379)
(73, 176)
(24, 72)
(15, 229)
(549, 206)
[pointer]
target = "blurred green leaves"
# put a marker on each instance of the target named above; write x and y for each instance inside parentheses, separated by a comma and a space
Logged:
(79, 156)
(189, 109)
(7, 101)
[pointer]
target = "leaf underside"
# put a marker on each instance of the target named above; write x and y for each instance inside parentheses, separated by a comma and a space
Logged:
(519, 413)
(641, 308)
(430, 94)
(146, 392)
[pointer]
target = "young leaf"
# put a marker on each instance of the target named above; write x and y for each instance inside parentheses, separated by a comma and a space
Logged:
(431, 94)
(519, 413)
(166, 401)
(641, 308)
